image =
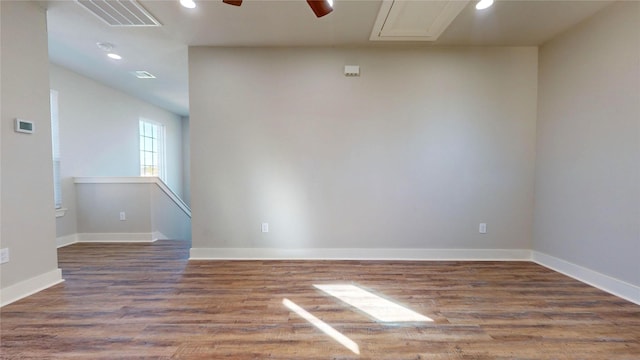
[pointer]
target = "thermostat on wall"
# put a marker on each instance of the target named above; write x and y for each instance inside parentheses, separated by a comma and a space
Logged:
(24, 126)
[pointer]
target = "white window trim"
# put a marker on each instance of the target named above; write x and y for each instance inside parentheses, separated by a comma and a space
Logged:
(60, 212)
(55, 145)
(162, 144)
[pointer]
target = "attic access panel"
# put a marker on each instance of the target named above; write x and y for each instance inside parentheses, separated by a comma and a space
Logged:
(410, 20)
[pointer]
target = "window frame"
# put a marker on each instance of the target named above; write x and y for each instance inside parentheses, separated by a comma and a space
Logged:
(55, 151)
(160, 148)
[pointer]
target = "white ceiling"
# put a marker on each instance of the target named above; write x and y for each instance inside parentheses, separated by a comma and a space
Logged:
(74, 32)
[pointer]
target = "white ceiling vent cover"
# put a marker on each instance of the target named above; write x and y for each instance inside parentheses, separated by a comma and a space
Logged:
(410, 20)
(120, 12)
(141, 74)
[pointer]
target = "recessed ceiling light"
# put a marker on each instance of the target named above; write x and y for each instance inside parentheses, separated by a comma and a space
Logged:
(141, 74)
(105, 46)
(189, 4)
(483, 4)
(108, 48)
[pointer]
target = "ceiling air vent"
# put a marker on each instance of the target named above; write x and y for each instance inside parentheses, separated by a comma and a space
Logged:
(408, 20)
(120, 12)
(141, 74)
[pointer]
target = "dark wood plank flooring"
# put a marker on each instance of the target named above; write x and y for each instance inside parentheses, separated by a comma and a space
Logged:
(129, 301)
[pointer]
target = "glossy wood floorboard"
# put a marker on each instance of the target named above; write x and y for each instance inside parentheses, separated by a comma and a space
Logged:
(131, 301)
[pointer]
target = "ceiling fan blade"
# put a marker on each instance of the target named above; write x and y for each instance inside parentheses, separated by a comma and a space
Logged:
(233, 2)
(320, 7)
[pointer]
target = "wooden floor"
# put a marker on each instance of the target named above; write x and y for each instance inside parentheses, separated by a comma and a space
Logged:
(128, 301)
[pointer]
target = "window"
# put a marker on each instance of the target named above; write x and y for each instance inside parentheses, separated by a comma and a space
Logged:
(152, 149)
(55, 144)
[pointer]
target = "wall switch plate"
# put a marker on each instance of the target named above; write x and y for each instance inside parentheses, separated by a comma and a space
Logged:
(123, 216)
(483, 228)
(265, 227)
(4, 255)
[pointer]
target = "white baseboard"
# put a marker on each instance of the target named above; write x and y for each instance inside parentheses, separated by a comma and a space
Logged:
(31, 286)
(115, 237)
(63, 241)
(590, 277)
(357, 254)
(603, 282)
(157, 235)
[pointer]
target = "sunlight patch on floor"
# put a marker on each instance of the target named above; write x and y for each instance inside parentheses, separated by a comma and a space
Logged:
(324, 327)
(374, 305)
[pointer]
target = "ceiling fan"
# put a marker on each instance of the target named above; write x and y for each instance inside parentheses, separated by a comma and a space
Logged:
(319, 7)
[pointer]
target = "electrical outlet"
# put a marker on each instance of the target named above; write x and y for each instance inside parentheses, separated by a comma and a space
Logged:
(123, 216)
(265, 227)
(483, 228)
(4, 255)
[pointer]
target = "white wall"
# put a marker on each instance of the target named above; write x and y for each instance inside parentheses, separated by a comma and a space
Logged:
(99, 136)
(186, 161)
(587, 208)
(28, 225)
(99, 207)
(167, 218)
(148, 210)
(415, 153)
